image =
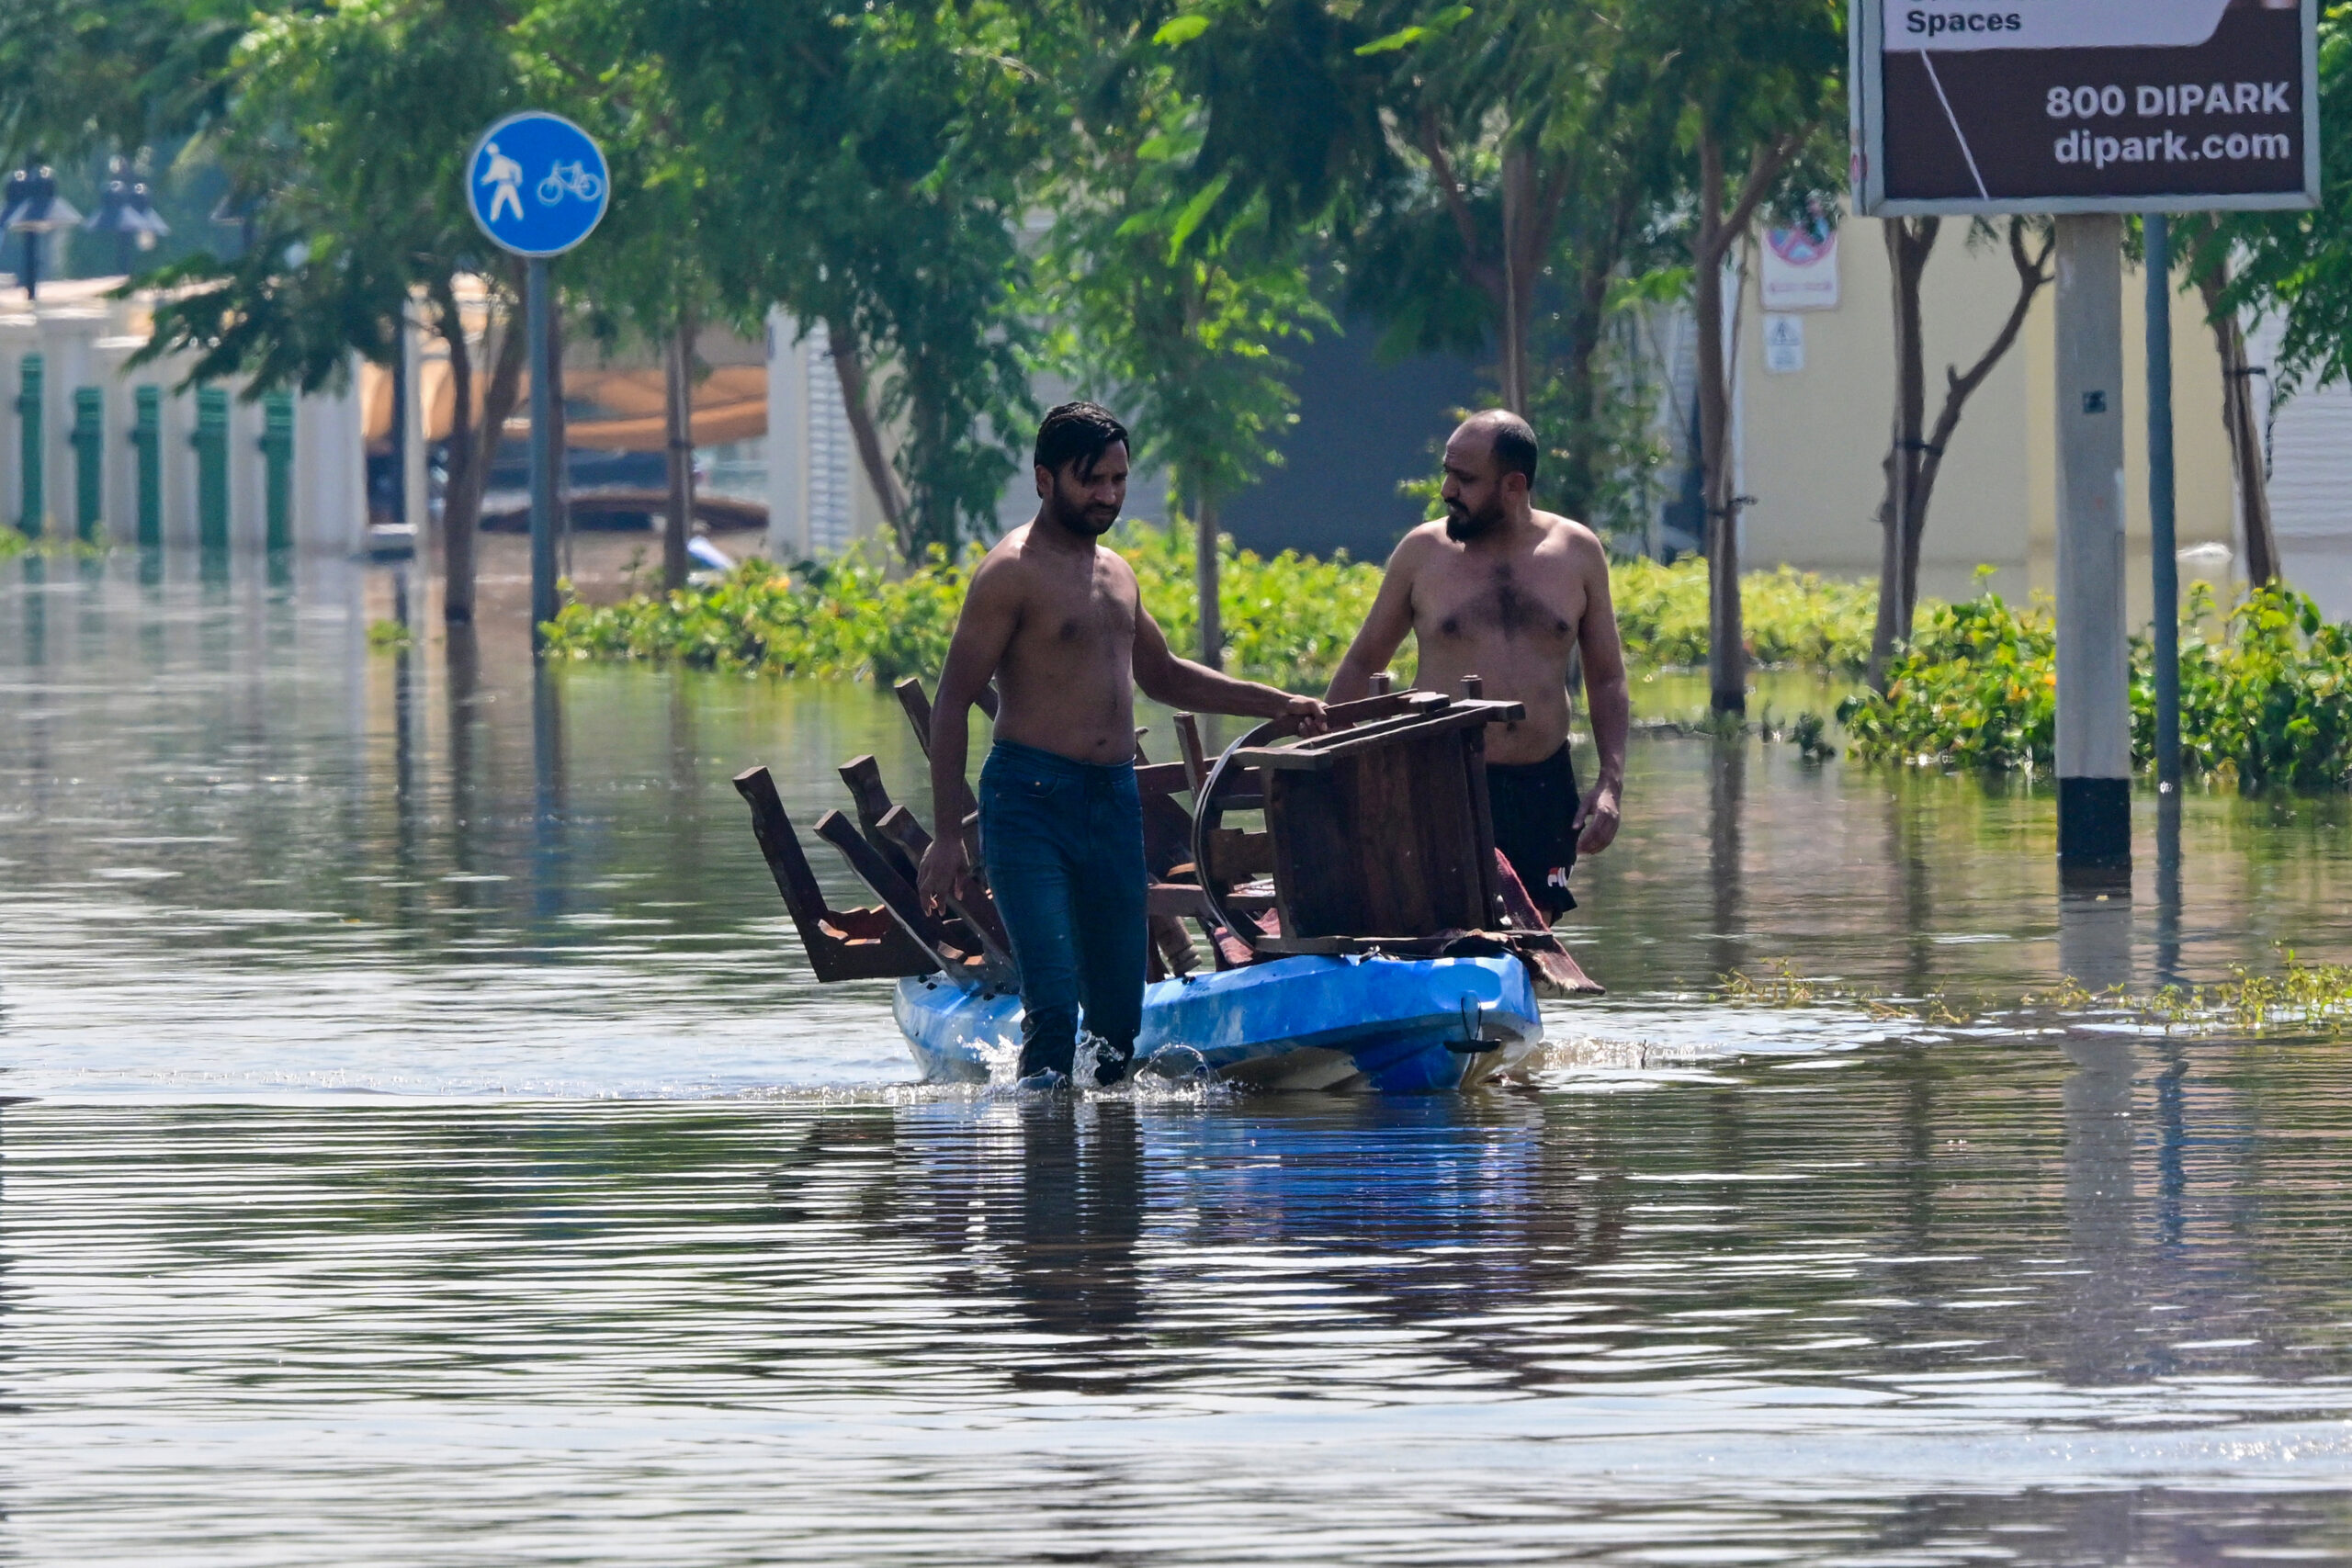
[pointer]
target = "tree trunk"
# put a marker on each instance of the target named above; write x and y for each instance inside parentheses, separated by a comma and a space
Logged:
(2246, 434)
(678, 365)
(460, 525)
(851, 371)
(472, 450)
(1205, 582)
(1522, 264)
(1530, 212)
(2033, 271)
(1908, 244)
(1577, 492)
(1913, 460)
(1713, 233)
(1726, 636)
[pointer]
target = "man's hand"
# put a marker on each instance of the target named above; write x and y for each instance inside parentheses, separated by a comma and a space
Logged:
(1596, 821)
(942, 872)
(1307, 714)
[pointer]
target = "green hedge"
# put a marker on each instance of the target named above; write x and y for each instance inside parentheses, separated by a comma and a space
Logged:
(2268, 702)
(1287, 618)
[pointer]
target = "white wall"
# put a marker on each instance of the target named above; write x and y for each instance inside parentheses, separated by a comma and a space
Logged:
(86, 340)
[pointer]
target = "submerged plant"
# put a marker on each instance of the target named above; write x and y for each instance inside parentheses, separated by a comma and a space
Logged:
(2268, 702)
(1810, 736)
(17, 542)
(2300, 999)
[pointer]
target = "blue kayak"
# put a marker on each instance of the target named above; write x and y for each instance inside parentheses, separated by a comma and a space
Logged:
(1391, 1025)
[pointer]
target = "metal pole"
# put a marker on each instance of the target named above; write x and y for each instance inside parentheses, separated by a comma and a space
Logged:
(542, 498)
(2094, 679)
(417, 501)
(2164, 566)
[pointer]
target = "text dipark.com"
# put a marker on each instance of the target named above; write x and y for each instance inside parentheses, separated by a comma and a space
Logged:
(2169, 147)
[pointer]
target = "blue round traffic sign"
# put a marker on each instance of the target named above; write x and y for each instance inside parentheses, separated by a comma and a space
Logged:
(537, 184)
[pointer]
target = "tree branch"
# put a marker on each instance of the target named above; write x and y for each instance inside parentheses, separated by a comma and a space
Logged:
(2033, 273)
(1483, 274)
(1752, 191)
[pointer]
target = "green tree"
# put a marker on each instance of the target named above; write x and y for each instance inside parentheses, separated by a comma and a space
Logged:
(350, 129)
(1543, 146)
(78, 75)
(1760, 95)
(1492, 170)
(869, 166)
(645, 277)
(2296, 265)
(1915, 454)
(1183, 318)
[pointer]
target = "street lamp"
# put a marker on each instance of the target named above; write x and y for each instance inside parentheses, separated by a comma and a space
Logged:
(126, 211)
(31, 207)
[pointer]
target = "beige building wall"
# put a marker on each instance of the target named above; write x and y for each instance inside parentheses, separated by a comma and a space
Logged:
(1812, 442)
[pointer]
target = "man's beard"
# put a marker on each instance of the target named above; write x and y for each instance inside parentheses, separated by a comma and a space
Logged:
(1086, 522)
(1463, 526)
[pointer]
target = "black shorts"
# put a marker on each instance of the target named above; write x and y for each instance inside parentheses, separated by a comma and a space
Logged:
(1534, 808)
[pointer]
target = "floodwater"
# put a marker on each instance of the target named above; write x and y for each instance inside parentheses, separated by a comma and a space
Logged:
(422, 1144)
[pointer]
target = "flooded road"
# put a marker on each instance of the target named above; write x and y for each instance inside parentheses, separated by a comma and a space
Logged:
(423, 1144)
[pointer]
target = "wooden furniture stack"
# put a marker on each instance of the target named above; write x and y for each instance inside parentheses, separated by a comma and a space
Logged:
(1377, 838)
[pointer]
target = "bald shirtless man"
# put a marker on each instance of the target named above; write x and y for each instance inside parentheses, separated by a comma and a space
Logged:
(1056, 619)
(1499, 589)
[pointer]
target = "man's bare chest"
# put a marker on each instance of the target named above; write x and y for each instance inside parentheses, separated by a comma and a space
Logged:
(1515, 602)
(1079, 622)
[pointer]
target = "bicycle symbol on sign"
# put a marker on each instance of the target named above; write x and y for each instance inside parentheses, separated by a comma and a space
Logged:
(568, 179)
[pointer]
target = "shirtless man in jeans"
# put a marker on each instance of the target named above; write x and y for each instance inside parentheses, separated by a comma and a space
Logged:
(1054, 619)
(1499, 589)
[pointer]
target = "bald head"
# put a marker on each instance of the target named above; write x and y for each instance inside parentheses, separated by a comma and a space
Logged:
(1510, 439)
(1489, 465)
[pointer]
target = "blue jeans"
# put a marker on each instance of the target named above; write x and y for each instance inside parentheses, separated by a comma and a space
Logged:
(1063, 843)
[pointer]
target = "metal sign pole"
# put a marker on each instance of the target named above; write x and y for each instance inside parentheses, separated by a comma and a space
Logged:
(542, 488)
(2164, 566)
(2094, 691)
(569, 185)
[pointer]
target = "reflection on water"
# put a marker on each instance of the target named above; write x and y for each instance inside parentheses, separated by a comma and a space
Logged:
(427, 1147)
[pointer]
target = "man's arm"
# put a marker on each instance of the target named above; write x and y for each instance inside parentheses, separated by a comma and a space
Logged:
(983, 630)
(1608, 704)
(1383, 630)
(1196, 688)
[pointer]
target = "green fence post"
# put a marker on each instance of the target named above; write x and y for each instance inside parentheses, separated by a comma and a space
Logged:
(147, 437)
(89, 461)
(277, 452)
(28, 412)
(211, 443)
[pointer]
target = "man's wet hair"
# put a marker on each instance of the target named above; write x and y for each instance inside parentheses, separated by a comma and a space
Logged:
(1514, 449)
(1078, 433)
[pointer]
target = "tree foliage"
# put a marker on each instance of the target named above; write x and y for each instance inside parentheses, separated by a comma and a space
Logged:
(870, 167)
(348, 128)
(2298, 265)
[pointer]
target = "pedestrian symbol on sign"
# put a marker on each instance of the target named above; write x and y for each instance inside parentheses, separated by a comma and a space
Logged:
(506, 175)
(536, 184)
